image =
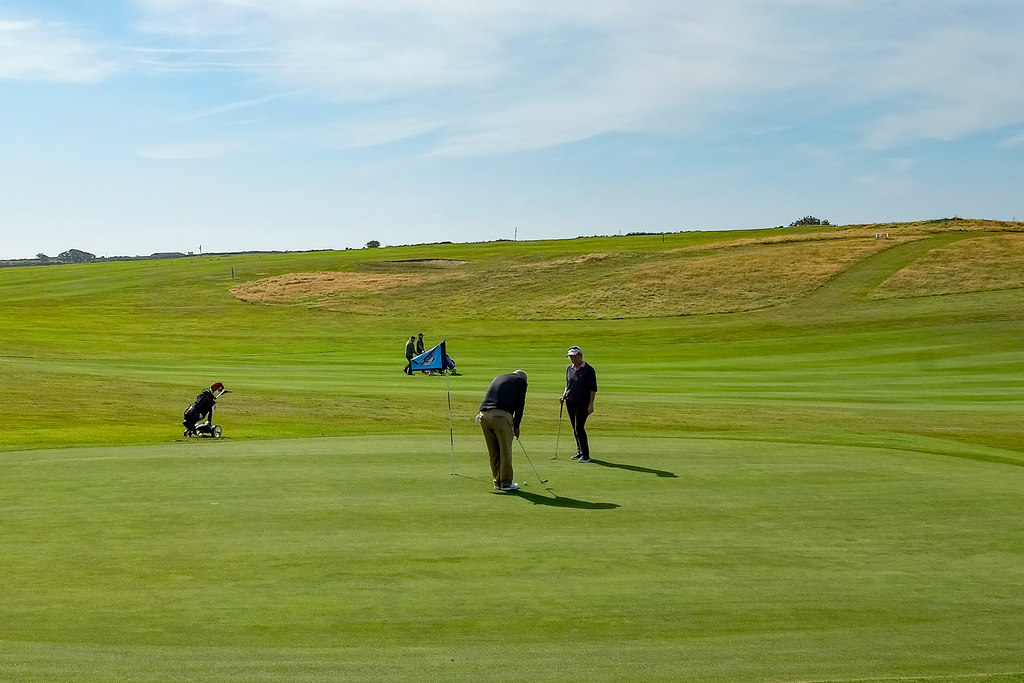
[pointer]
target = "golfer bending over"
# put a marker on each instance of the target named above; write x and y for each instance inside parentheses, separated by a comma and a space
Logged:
(500, 416)
(580, 392)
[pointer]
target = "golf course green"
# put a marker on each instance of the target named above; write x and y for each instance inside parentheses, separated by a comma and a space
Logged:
(808, 462)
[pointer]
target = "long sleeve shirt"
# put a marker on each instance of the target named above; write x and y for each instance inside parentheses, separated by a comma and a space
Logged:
(508, 393)
(580, 383)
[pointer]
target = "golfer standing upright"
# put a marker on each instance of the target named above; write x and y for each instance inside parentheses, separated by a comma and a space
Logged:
(410, 353)
(500, 415)
(580, 392)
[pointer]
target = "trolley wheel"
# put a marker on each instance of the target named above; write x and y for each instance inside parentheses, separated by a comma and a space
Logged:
(216, 431)
(188, 433)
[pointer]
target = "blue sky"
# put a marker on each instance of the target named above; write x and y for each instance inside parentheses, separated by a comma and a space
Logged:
(138, 126)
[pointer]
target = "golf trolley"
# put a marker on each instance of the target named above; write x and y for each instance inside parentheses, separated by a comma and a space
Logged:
(206, 427)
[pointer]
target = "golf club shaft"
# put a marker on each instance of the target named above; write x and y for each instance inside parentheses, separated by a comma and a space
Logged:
(543, 481)
(561, 404)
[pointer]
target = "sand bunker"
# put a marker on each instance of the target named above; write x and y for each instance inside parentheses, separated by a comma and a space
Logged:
(435, 262)
(287, 289)
(566, 261)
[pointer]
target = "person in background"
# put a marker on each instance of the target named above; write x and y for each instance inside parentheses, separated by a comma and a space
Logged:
(419, 344)
(580, 392)
(501, 413)
(410, 353)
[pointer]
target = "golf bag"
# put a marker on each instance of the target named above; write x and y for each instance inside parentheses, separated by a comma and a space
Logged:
(201, 408)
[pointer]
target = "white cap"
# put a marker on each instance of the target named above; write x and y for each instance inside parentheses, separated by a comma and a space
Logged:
(520, 373)
(574, 351)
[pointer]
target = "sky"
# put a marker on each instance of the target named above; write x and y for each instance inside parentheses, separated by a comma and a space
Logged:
(132, 127)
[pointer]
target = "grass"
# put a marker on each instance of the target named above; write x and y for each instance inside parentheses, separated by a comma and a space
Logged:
(974, 265)
(827, 488)
(671, 558)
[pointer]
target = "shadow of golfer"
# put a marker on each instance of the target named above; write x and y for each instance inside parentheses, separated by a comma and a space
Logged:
(634, 468)
(563, 502)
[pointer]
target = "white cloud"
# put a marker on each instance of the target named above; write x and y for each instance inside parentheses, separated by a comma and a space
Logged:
(203, 149)
(827, 157)
(237, 106)
(33, 50)
(954, 82)
(526, 74)
(894, 177)
(368, 133)
(1013, 141)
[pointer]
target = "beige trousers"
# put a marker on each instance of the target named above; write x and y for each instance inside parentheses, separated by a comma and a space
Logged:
(498, 433)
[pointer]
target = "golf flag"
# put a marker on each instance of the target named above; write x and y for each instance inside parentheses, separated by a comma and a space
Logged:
(436, 359)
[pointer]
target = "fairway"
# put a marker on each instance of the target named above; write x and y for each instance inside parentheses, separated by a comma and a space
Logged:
(808, 463)
(361, 558)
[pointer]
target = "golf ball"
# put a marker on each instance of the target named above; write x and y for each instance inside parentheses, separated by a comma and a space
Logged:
(524, 483)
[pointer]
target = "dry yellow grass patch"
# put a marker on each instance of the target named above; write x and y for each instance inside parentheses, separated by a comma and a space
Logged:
(430, 262)
(970, 265)
(719, 277)
(568, 261)
(361, 293)
(893, 231)
(845, 234)
(718, 280)
(288, 289)
(945, 225)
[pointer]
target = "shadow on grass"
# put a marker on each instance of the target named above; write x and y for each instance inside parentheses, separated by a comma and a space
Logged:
(633, 468)
(562, 502)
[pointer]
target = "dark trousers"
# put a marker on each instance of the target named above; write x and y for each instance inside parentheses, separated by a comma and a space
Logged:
(408, 365)
(578, 419)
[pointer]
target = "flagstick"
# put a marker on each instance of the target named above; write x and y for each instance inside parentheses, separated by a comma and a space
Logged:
(451, 429)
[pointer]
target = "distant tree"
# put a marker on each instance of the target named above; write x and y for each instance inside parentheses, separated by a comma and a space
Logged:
(42, 257)
(76, 256)
(372, 244)
(808, 220)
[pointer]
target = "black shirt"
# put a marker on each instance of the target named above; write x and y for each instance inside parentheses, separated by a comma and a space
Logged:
(508, 393)
(579, 383)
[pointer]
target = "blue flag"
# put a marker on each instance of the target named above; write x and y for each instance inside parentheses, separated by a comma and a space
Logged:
(436, 359)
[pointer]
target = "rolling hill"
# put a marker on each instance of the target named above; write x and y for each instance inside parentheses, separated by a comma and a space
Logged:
(809, 462)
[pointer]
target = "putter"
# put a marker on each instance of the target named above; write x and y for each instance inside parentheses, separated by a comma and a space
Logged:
(543, 481)
(561, 404)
